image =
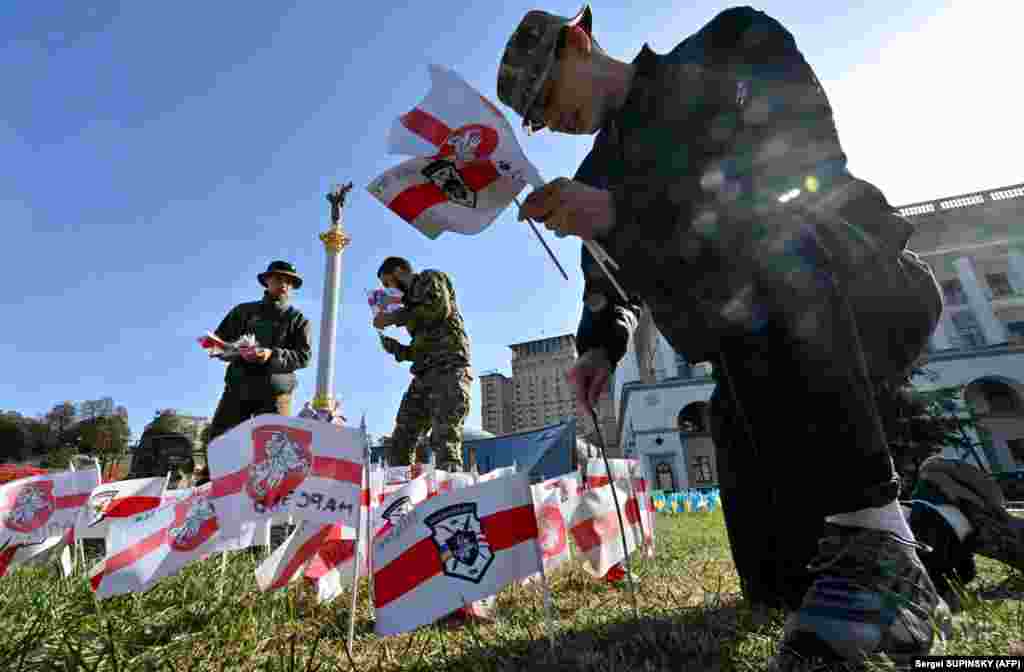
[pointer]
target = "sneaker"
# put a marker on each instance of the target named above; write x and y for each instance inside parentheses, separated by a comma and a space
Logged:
(871, 595)
(996, 534)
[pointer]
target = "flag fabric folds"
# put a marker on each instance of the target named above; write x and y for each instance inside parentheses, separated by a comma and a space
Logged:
(157, 543)
(37, 508)
(275, 465)
(468, 164)
(118, 499)
(595, 528)
(454, 549)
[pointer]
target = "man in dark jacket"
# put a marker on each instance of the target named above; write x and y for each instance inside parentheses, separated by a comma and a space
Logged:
(439, 394)
(718, 185)
(263, 378)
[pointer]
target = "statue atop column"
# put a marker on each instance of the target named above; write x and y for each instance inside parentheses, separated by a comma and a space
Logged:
(337, 200)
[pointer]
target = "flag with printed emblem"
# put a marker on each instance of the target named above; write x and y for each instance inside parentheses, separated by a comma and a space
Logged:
(454, 549)
(468, 164)
(276, 465)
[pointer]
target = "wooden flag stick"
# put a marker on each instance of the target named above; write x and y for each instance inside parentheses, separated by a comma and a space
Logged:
(544, 243)
(356, 557)
(596, 251)
(223, 572)
(618, 510)
(371, 589)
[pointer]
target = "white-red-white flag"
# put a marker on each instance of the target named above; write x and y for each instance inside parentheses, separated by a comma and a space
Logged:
(175, 495)
(37, 508)
(468, 166)
(155, 544)
(454, 549)
(552, 523)
(448, 481)
(564, 492)
(332, 566)
(500, 472)
(288, 560)
(569, 487)
(321, 553)
(395, 505)
(275, 465)
(117, 499)
(32, 554)
(595, 528)
(624, 469)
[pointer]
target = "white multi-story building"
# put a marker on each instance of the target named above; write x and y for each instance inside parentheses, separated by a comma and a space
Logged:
(975, 244)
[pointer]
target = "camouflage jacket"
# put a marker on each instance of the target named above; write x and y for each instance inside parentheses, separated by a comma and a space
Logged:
(431, 315)
(708, 139)
(284, 330)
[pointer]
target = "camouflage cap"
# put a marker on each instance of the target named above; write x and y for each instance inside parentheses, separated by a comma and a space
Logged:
(528, 58)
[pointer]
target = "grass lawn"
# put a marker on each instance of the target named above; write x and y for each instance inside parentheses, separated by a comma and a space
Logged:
(691, 619)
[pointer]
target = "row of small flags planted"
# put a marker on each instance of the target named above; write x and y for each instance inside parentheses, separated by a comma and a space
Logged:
(438, 541)
(686, 501)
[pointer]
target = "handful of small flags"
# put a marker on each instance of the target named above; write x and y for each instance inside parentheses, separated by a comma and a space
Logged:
(384, 300)
(221, 349)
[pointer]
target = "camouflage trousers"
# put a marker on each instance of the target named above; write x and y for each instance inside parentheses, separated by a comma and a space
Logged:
(437, 400)
(234, 408)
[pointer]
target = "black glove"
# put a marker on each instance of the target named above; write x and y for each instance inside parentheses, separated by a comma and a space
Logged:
(391, 346)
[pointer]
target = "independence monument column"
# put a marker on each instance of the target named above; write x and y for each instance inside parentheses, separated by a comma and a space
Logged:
(335, 240)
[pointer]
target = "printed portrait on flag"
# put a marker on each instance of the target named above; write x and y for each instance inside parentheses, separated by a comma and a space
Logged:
(36, 508)
(276, 465)
(467, 166)
(282, 458)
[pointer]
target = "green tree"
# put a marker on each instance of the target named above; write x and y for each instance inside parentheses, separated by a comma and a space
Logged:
(168, 422)
(61, 419)
(59, 456)
(14, 440)
(106, 438)
(41, 435)
(919, 424)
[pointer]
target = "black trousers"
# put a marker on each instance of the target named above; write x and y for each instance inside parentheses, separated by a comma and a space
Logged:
(794, 430)
(234, 407)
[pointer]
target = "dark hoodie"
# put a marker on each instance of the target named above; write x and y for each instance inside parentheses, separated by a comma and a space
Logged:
(710, 136)
(277, 326)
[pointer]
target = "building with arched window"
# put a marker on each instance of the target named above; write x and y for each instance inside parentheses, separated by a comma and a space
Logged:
(975, 245)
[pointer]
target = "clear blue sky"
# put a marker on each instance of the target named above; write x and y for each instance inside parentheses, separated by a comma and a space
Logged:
(156, 156)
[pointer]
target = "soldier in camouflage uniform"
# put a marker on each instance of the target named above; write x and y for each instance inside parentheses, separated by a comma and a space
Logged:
(438, 396)
(264, 379)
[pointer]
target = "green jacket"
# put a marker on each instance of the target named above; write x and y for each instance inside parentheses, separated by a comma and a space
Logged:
(431, 314)
(281, 328)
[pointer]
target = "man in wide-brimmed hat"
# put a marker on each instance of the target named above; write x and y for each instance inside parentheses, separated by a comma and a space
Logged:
(262, 379)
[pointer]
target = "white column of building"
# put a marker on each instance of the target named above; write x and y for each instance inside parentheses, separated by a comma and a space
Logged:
(991, 327)
(1016, 260)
